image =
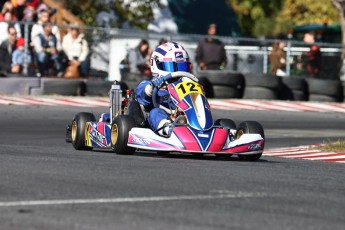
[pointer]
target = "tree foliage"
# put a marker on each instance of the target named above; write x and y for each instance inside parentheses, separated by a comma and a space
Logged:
(256, 17)
(262, 17)
(135, 13)
(300, 12)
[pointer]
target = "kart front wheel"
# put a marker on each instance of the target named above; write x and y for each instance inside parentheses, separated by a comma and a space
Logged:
(78, 130)
(120, 128)
(248, 127)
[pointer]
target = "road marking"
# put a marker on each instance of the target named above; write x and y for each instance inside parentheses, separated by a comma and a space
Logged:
(224, 104)
(306, 153)
(132, 199)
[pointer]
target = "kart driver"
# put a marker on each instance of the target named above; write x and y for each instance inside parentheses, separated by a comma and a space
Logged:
(167, 58)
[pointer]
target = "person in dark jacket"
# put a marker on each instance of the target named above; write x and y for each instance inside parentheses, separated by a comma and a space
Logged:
(210, 53)
(6, 49)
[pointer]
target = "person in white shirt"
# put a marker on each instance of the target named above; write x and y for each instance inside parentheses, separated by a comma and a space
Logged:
(48, 49)
(4, 26)
(76, 49)
(43, 17)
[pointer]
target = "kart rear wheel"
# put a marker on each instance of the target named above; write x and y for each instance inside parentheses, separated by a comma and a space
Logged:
(247, 127)
(119, 134)
(78, 130)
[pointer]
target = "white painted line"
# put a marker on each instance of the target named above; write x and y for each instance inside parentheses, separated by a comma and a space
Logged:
(310, 155)
(290, 152)
(132, 199)
(327, 158)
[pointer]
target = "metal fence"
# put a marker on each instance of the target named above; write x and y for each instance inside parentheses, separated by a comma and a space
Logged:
(109, 46)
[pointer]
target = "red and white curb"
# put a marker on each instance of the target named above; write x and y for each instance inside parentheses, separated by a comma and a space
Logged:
(306, 153)
(225, 104)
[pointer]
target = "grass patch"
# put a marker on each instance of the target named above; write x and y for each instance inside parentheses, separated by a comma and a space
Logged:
(328, 146)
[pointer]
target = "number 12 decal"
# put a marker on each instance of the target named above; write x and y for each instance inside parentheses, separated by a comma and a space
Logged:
(185, 88)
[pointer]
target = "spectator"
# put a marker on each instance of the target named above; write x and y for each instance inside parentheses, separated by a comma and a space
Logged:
(162, 41)
(4, 26)
(43, 17)
(210, 53)
(6, 49)
(278, 59)
(139, 58)
(19, 6)
(18, 56)
(76, 48)
(48, 48)
(7, 7)
(310, 61)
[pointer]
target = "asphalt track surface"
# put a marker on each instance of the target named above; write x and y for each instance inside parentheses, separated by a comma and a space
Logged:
(46, 184)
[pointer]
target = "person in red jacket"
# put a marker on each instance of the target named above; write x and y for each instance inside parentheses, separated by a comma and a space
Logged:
(310, 61)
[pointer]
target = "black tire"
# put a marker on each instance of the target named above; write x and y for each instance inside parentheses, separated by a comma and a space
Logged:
(331, 88)
(78, 130)
(220, 91)
(247, 127)
(207, 87)
(224, 78)
(263, 80)
(226, 123)
(120, 128)
(66, 87)
(295, 83)
(322, 98)
(101, 88)
(259, 93)
(293, 95)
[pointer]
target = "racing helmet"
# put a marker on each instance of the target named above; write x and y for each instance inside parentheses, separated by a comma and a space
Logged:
(168, 58)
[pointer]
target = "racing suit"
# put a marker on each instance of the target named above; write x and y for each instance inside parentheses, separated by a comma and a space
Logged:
(157, 117)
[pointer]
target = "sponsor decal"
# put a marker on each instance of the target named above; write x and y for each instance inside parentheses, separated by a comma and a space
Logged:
(179, 56)
(253, 147)
(97, 136)
(142, 141)
(203, 135)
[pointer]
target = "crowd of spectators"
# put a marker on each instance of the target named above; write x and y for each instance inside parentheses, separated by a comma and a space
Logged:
(45, 52)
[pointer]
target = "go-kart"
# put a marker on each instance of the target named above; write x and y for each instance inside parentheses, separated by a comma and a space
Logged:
(125, 128)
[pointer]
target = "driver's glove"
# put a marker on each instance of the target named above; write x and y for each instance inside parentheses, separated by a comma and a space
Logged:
(158, 82)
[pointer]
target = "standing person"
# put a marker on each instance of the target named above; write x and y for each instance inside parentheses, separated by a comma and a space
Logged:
(310, 61)
(47, 50)
(6, 49)
(76, 49)
(210, 53)
(139, 58)
(278, 59)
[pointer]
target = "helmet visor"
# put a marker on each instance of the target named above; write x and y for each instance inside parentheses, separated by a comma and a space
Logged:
(171, 66)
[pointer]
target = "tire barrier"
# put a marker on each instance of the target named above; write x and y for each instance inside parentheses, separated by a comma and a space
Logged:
(325, 90)
(101, 88)
(217, 84)
(262, 86)
(65, 87)
(294, 89)
(222, 84)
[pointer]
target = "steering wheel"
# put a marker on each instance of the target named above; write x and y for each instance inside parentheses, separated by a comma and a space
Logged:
(155, 97)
